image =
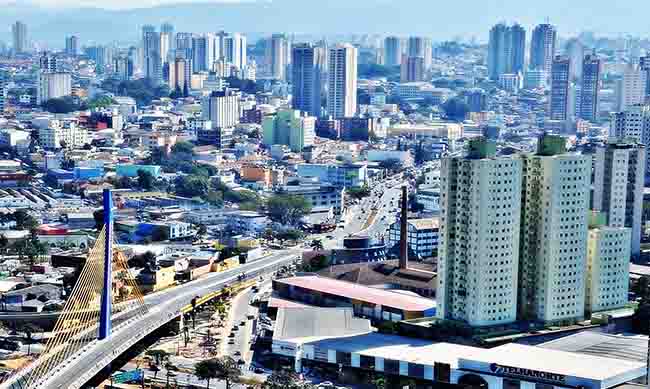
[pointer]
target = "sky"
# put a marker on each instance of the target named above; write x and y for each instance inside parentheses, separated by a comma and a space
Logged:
(111, 4)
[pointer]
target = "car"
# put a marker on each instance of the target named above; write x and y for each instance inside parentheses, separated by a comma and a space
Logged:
(258, 371)
(231, 341)
(232, 335)
(250, 317)
(242, 323)
(237, 353)
(235, 328)
(241, 362)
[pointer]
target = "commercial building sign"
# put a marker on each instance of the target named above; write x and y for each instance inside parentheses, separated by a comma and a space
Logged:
(523, 373)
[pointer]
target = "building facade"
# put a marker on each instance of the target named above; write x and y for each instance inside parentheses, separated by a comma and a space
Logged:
(342, 81)
(308, 67)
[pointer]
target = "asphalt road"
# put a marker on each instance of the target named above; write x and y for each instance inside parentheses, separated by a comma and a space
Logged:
(164, 306)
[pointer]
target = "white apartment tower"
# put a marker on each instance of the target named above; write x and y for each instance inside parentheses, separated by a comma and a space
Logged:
(618, 186)
(342, 81)
(630, 89)
(608, 264)
(555, 202)
(633, 124)
(479, 236)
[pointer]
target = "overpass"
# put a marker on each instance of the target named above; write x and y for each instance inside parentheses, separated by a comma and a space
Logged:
(164, 306)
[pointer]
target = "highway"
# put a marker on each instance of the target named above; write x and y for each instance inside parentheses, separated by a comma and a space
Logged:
(163, 307)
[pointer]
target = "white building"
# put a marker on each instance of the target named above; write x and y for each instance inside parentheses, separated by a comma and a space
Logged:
(342, 92)
(553, 259)
(630, 89)
(422, 236)
(58, 136)
(319, 195)
(633, 123)
(222, 108)
(53, 85)
(478, 252)
(608, 268)
(13, 138)
(618, 186)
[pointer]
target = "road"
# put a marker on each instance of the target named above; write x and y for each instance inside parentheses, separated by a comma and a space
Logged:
(164, 306)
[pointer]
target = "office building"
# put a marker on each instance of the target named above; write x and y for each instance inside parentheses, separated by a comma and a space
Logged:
(19, 33)
(536, 79)
(222, 108)
(559, 101)
(344, 175)
(576, 53)
(308, 70)
(49, 63)
(342, 81)
(608, 268)
(289, 127)
(476, 99)
(412, 69)
(276, 55)
(631, 88)
(553, 244)
(644, 66)
(53, 85)
(168, 30)
(221, 137)
(506, 50)
(203, 53)
(72, 46)
(153, 63)
(478, 246)
(418, 46)
(422, 237)
(123, 67)
(511, 82)
(619, 168)
(319, 195)
(59, 135)
(234, 50)
(392, 51)
(542, 47)
(183, 45)
(588, 108)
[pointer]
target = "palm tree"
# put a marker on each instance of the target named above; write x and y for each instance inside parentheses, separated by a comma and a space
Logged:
(171, 372)
(225, 369)
(206, 370)
(316, 245)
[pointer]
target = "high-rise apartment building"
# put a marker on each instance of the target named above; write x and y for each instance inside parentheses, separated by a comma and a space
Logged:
(506, 50)
(631, 88)
(412, 69)
(153, 63)
(48, 62)
(234, 50)
(553, 244)
(608, 264)
(276, 54)
(478, 245)
(3, 82)
(633, 124)
(53, 85)
(123, 67)
(392, 51)
(619, 168)
(168, 30)
(559, 101)
(542, 47)
(72, 45)
(589, 89)
(308, 66)
(183, 45)
(180, 73)
(418, 46)
(342, 81)
(19, 32)
(644, 66)
(576, 53)
(289, 127)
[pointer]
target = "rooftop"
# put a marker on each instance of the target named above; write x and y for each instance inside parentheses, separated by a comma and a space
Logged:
(361, 293)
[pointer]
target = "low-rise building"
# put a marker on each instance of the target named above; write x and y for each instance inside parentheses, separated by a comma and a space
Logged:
(131, 170)
(346, 175)
(324, 195)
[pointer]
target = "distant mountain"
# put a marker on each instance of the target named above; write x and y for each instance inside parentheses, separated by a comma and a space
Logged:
(440, 19)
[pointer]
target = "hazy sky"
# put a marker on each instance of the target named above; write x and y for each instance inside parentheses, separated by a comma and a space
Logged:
(111, 4)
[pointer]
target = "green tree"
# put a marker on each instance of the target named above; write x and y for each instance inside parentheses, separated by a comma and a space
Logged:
(159, 356)
(59, 105)
(225, 369)
(285, 379)
(24, 220)
(183, 147)
(192, 186)
(316, 245)
(146, 180)
(359, 193)
(287, 209)
(201, 229)
(393, 165)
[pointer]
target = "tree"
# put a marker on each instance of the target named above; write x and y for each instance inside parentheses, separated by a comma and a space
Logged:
(64, 104)
(225, 369)
(359, 193)
(287, 209)
(4, 244)
(316, 245)
(202, 229)
(393, 165)
(192, 186)
(146, 180)
(290, 234)
(158, 355)
(24, 221)
(455, 109)
(183, 147)
(285, 379)
(142, 260)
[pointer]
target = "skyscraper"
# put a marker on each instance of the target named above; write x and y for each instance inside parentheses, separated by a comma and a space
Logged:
(631, 88)
(412, 69)
(183, 45)
(420, 47)
(234, 46)
(506, 50)
(276, 48)
(576, 53)
(2, 91)
(342, 81)
(308, 62)
(553, 244)
(49, 63)
(392, 51)
(589, 89)
(644, 65)
(19, 32)
(542, 47)
(180, 75)
(72, 45)
(560, 69)
(168, 29)
(633, 124)
(478, 245)
(203, 50)
(618, 186)
(153, 64)
(222, 108)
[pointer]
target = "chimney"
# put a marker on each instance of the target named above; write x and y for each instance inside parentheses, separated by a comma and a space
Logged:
(403, 240)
